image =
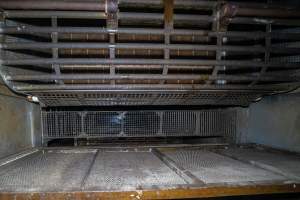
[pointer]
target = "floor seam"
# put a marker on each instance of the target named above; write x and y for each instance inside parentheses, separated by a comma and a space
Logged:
(185, 174)
(83, 182)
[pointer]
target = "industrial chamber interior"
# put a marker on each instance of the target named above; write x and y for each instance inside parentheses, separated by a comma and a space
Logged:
(156, 99)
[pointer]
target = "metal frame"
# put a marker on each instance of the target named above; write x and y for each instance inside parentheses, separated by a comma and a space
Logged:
(171, 51)
(172, 123)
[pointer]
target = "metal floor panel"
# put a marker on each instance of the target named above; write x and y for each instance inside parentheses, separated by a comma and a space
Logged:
(288, 165)
(46, 171)
(213, 168)
(129, 171)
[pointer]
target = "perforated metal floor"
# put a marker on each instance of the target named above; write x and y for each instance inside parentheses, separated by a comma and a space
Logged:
(213, 168)
(46, 171)
(129, 169)
(281, 163)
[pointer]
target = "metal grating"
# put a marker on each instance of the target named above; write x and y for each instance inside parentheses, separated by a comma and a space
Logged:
(149, 98)
(102, 123)
(141, 123)
(46, 171)
(176, 125)
(278, 162)
(61, 123)
(128, 171)
(85, 124)
(213, 168)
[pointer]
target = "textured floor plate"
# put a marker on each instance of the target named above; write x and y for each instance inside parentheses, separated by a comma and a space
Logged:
(129, 169)
(281, 163)
(46, 171)
(214, 168)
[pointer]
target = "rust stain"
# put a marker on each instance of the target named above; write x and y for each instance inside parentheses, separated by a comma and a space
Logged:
(168, 12)
(204, 192)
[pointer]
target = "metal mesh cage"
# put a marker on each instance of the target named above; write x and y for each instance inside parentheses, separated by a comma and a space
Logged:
(101, 123)
(86, 124)
(56, 124)
(141, 123)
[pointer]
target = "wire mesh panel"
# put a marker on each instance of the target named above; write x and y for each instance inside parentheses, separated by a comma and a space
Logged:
(102, 123)
(141, 123)
(61, 124)
(149, 98)
(176, 124)
(85, 124)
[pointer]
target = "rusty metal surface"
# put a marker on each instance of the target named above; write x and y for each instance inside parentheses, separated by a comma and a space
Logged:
(53, 5)
(196, 47)
(180, 193)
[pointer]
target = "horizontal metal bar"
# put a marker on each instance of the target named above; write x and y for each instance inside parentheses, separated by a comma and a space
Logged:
(35, 29)
(273, 21)
(58, 14)
(133, 67)
(177, 4)
(158, 16)
(92, 61)
(101, 15)
(198, 47)
(267, 12)
(287, 44)
(149, 77)
(105, 77)
(264, 5)
(231, 10)
(99, 5)
(80, 45)
(156, 87)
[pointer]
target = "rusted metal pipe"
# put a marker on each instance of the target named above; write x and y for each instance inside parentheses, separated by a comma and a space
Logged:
(145, 31)
(58, 14)
(80, 45)
(126, 61)
(100, 53)
(99, 5)
(107, 77)
(133, 67)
